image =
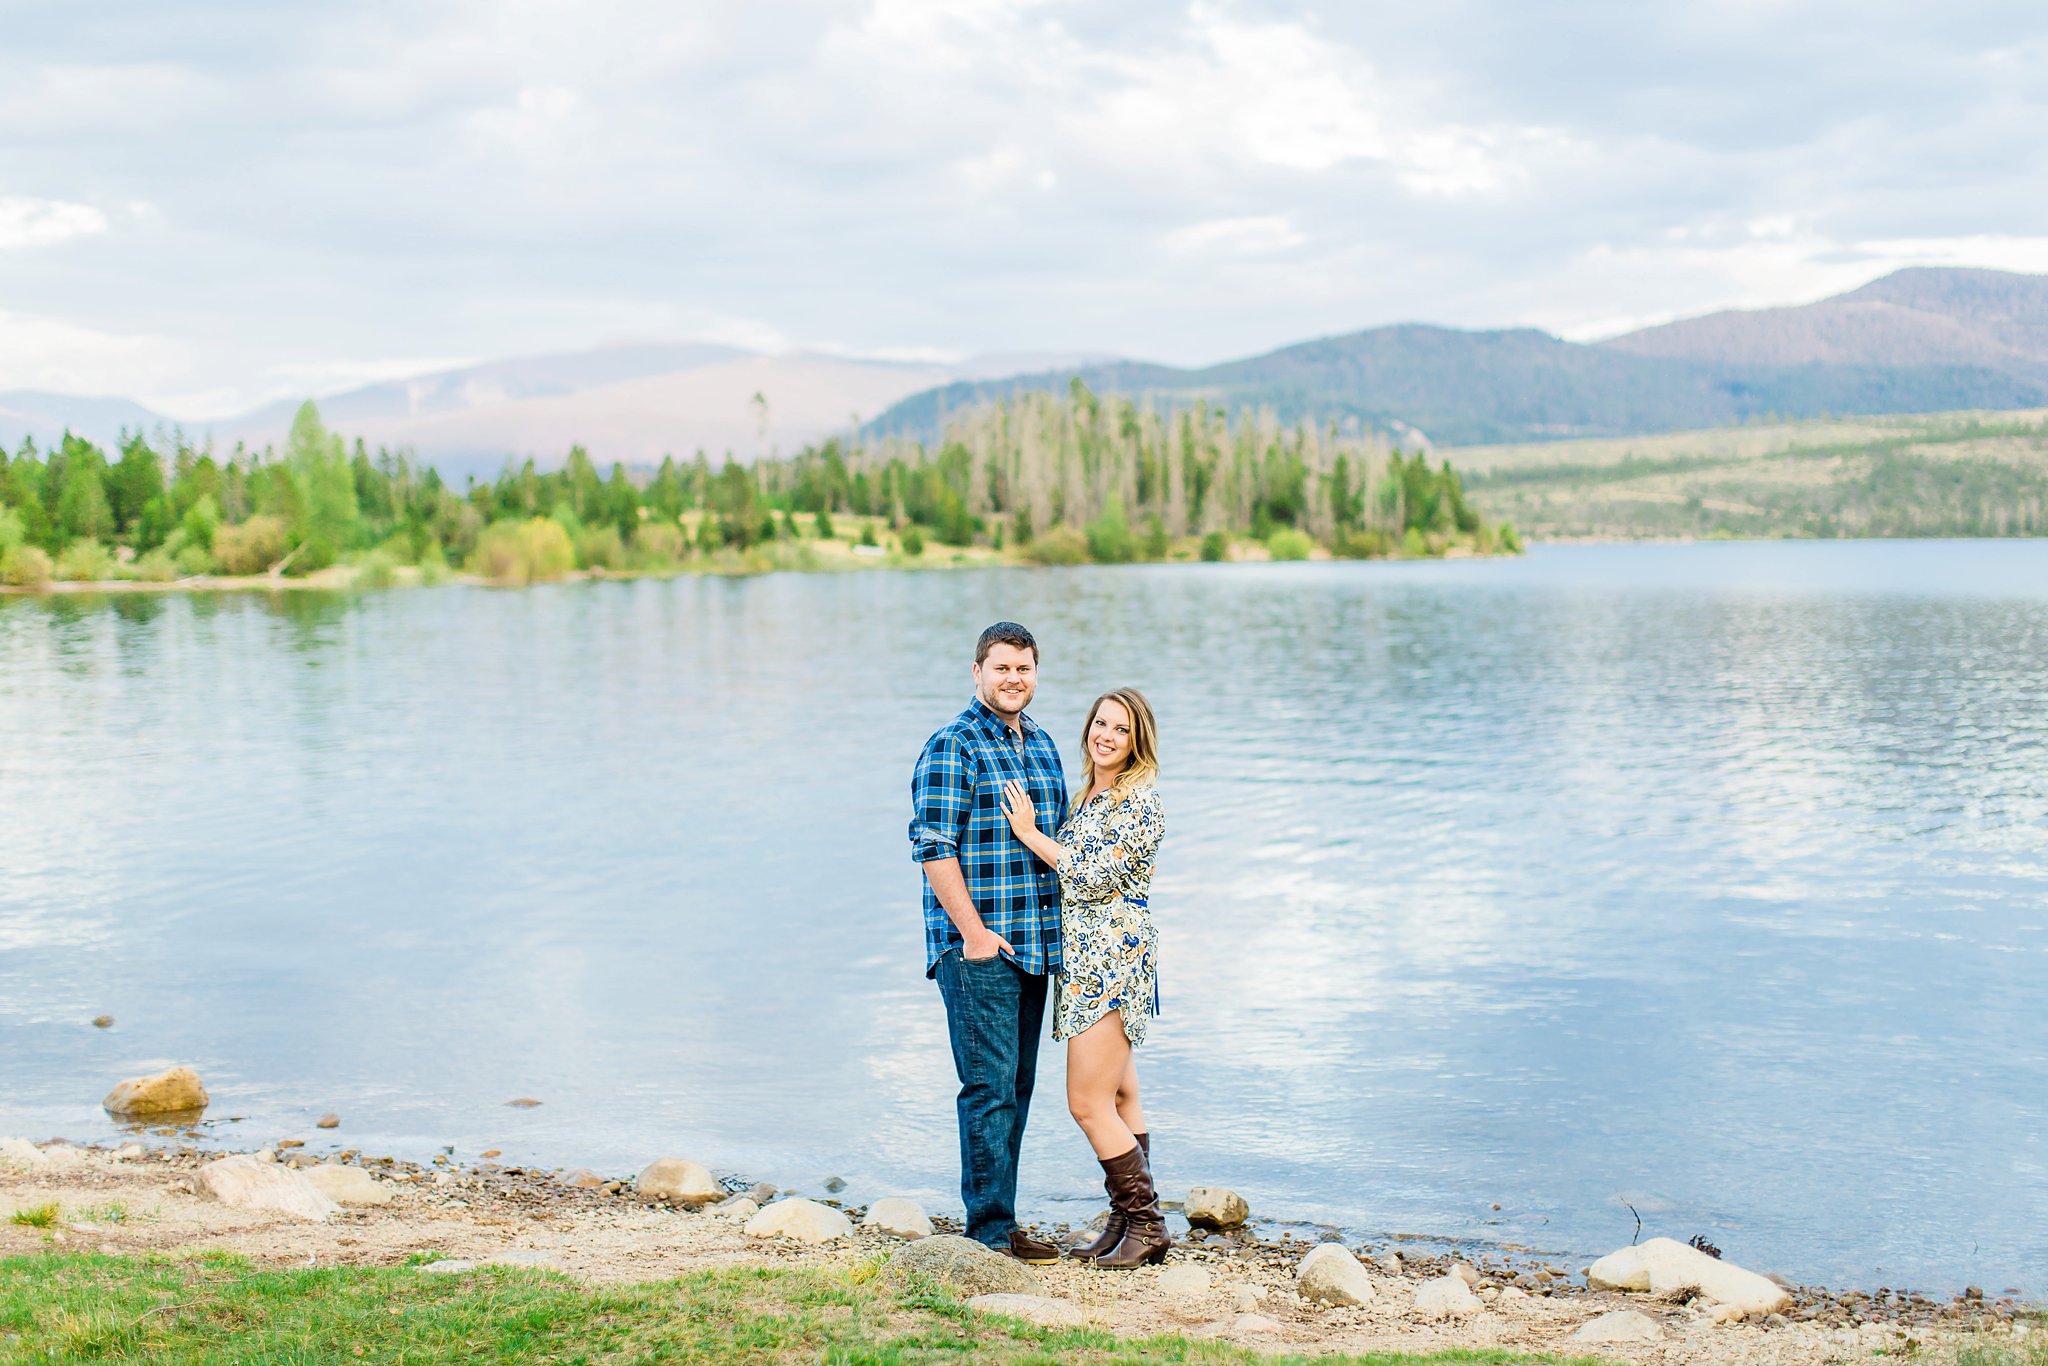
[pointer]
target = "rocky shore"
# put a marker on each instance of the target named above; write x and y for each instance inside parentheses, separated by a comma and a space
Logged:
(284, 1206)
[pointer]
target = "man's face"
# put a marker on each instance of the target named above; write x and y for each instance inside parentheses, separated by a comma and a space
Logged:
(1007, 678)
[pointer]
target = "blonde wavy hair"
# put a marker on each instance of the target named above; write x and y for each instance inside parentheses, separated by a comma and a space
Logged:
(1141, 765)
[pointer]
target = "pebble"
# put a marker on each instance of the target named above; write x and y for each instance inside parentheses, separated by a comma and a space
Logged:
(522, 1103)
(1184, 1280)
(580, 1178)
(449, 1267)
(329, 1120)
(102, 1022)
(1254, 1323)
(834, 1184)
(1465, 1272)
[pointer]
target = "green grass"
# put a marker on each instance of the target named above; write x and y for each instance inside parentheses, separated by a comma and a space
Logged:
(37, 1216)
(73, 1307)
(2028, 1351)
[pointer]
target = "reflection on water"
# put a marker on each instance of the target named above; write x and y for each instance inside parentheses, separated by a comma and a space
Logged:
(1710, 877)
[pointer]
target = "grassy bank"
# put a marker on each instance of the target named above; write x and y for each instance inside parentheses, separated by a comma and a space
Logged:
(1943, 474)
(167, 1311)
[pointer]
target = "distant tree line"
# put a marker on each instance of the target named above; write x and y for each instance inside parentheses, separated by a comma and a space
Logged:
(1053, 479)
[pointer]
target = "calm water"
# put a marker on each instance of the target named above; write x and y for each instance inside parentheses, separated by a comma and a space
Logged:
(1714, 878)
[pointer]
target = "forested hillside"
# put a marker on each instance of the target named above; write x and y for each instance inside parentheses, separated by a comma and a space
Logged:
(1062, 480)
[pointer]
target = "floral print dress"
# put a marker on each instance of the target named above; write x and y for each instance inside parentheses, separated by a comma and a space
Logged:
(1109, 948)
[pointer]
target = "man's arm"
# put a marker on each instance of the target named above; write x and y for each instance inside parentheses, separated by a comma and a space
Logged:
(950, 886)
(942, 801)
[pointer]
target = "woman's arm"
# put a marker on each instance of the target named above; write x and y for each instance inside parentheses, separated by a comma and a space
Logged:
(1024, 824)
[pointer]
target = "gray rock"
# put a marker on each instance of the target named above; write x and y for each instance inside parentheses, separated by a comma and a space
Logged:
(1042, 1310)
(1466, 1272)
(899, 1218)
(1665, 1266)
(348, 1185)
(1331, 1275)
(1215, 1207)
(582, 1178)
(452, 1266)
(527, 1257)
(244, 1183)
(1623, 1325)
(1388, 1262)
(804, 1221)
(176, 1091)
(962, 1265)
(1184, 1280)
(680, 1180)
(19, 1152)
(738, 1210)
(1446, 1297)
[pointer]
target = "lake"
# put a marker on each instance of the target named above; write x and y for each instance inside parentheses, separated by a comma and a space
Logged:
(1712, 879)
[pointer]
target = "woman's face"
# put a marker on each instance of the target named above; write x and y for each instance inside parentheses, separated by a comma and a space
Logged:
(1109, 735)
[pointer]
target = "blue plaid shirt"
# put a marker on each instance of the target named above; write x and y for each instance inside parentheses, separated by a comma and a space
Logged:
(956, 798)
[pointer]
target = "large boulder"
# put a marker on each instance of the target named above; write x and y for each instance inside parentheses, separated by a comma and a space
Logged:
(1331, 1275)
(1446, 1297)
(680, 1180)
(1623, 1325)
(899, 1218)
(805, 1221)
(1215, 1207)
(245, 1183)
(965, 1267)
(1665, 1266)
(1042, 1310)
(176, 1091)
(348, 1185)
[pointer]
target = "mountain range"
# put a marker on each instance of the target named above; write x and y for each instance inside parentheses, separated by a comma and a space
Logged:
(1919, 340)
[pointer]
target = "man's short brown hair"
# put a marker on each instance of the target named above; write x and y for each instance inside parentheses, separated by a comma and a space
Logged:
(1004, 633)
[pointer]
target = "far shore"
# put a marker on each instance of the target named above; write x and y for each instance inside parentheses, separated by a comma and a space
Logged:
(346, 578)
(1234, 1286)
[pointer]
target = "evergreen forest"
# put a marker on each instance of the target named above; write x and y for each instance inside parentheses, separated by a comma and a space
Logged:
(1037, 478)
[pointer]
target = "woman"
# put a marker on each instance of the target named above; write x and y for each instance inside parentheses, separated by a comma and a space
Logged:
(1107, 991)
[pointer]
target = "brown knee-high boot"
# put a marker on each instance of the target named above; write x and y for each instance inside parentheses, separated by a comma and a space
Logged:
(1130, 1183)
(1113, 1231)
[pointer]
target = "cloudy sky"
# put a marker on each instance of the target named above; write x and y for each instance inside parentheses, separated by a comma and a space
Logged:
(212, 202)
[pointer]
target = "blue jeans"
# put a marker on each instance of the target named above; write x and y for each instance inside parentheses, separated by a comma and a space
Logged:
(994, 1013)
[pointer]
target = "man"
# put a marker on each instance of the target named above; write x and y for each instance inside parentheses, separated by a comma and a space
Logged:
(991, 920)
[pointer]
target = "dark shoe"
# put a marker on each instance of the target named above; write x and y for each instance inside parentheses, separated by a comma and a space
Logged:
(1026, 1248)
(1113, 1231)
(1129, 1178)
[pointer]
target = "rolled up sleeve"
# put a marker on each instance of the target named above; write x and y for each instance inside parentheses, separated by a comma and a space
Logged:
(941, 799)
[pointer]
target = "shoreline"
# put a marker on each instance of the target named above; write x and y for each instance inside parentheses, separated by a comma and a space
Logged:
(810, 557)
(137, 1200)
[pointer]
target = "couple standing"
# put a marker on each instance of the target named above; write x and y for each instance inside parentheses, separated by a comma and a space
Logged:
(1026, 892)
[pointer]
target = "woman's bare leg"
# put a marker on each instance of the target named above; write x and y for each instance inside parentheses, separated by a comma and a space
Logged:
(1128, 1107)
(1097, 1061)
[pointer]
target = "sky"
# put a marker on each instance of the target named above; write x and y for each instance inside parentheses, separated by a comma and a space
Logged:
(208, 204)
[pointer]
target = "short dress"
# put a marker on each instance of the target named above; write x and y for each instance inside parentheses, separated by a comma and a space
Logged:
(1108, 946)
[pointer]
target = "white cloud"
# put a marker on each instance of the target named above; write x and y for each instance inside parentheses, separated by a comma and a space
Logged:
(65, 358)
(28, 222)
(1259, 235)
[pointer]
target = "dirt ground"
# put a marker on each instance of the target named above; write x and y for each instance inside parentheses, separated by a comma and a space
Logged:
(136, 1201)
